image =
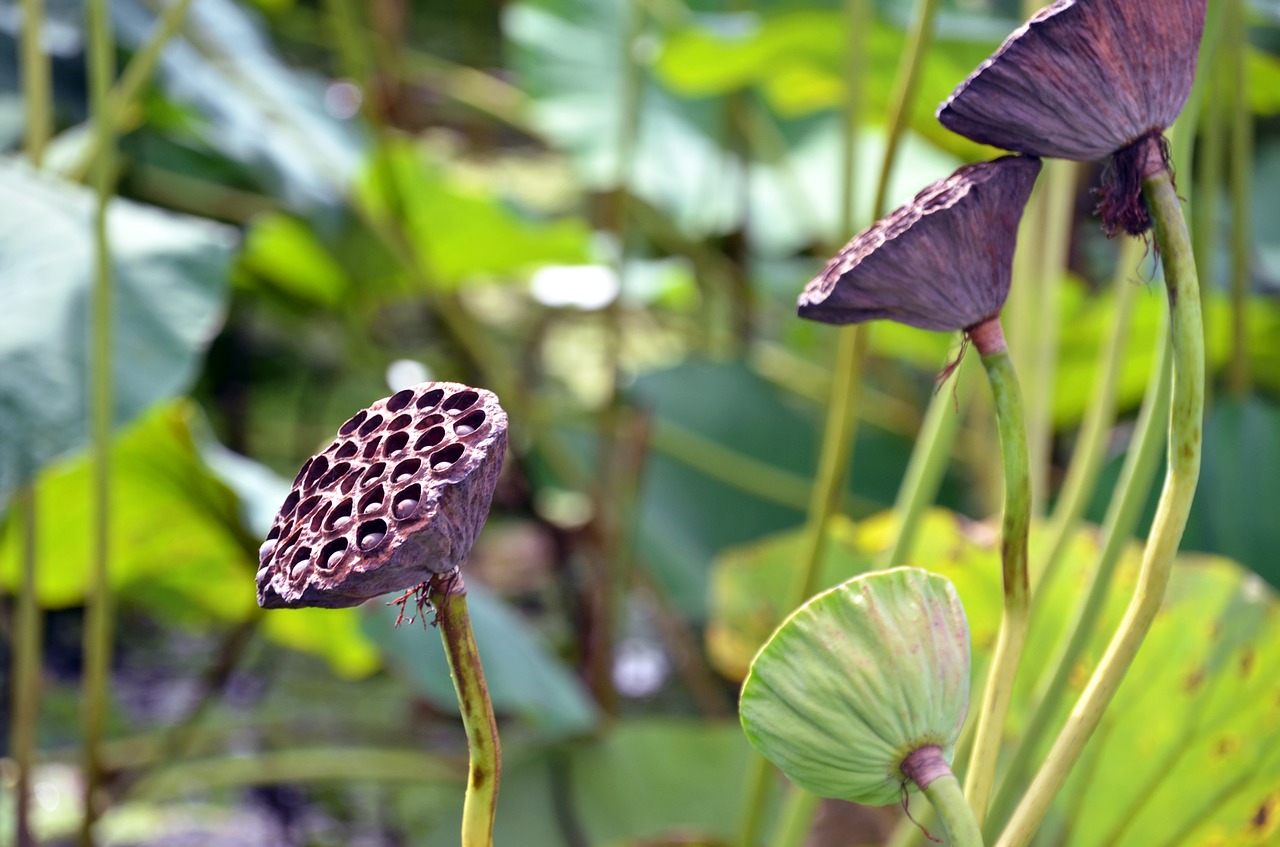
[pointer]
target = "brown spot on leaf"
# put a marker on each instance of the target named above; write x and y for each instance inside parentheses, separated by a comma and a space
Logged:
(1247, 661)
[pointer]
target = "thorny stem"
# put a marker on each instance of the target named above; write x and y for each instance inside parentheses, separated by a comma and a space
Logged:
(1182, 474)
(930, 773)
(1014, 530)
(449, 596)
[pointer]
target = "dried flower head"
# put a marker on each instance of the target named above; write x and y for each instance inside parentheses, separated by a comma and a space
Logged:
(941, 262)
(396, 499)
(1082, 79)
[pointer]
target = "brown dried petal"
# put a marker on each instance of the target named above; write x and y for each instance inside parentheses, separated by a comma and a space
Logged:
(941, 262)
(399, 497)
(1082, 78)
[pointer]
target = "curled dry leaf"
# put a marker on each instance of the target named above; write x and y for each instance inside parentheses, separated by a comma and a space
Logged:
(398, 497)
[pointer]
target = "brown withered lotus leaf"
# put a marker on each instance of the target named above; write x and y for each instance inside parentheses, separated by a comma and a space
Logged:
(1082, 79)
(941, 262)
(398, 497)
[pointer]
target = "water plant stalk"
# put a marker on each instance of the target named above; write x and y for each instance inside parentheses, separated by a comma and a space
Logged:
(1240, 161)
(26, 668)
(449, 597)
(37, 97)
(611, 561)
(99, 632)
(1182, 473)
(928, 462)
(125, 92)
(37, 85)
(1090, 448)
(1128, 500)
(1015, 527)
(796, 818)
(838, 433)
(1057, 201)
(928, 770)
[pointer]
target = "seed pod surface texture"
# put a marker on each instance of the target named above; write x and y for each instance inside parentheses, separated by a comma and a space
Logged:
(399, 496)
(941, 262)
(1082, 79)
(857, 679)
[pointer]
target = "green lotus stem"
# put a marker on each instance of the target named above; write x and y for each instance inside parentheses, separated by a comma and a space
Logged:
(99, 608)
(957, 818)
(930, 773)
(838, 434)
(37, 86)
(37, 97)
(26, 669)
(797, 818)
(135, 76)
(1182, 474)
(1241, 165)
(449, 596)
(928, 462)
(1090, 449)
(1057, 204)
(903, 96)
(1016, 525)
(1127, 502)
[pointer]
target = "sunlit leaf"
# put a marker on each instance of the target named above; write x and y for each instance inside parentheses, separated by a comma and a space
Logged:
(169, 290)
(176, 540)
(467, 230)
(797, 57)
(282, 251)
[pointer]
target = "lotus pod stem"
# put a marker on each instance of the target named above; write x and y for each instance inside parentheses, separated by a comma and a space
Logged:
(1182, 473)
(484, 753)
(928, 769)
(1016, 524)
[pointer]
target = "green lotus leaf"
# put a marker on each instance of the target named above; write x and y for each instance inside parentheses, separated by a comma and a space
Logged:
(858, 678)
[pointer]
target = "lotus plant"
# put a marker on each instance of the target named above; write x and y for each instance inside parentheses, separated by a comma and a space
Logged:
(395, 503)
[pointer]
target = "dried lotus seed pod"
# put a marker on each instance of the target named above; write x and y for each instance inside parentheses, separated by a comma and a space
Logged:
(398, 497)
(943, 261)
(859, 678)
(1082, 78)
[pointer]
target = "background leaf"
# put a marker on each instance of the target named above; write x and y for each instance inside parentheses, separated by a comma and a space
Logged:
(168, 301)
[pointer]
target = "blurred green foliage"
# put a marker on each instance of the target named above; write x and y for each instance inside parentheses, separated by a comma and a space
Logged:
(307, 211)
